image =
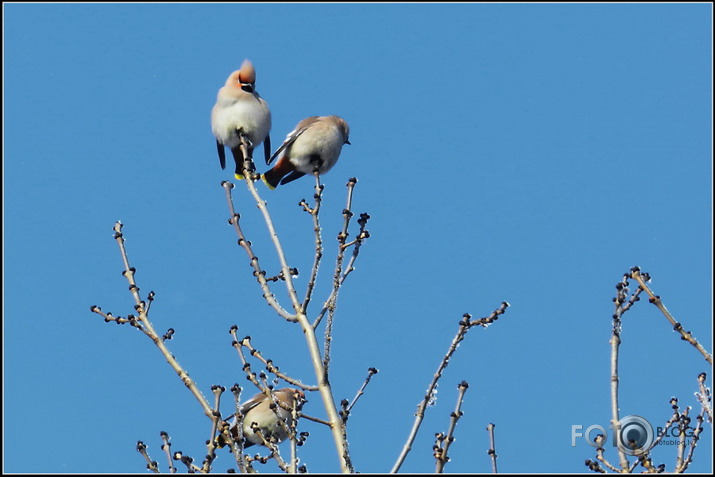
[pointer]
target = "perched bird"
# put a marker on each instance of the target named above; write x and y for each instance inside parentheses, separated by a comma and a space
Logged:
(315, 143)
(258, 410)
(239, 109)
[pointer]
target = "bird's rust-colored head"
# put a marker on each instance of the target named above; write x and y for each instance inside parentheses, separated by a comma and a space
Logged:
(247, 73)
(245, 78)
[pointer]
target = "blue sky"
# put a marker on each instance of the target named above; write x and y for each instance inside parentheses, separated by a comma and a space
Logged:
(529, 153)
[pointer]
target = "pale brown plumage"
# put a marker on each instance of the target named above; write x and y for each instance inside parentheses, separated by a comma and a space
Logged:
(273, 423)
(239, 109)
(315, 143)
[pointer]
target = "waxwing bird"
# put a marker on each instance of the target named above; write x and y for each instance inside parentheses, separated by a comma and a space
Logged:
(273, 423)
(315, 143)
(240, 110)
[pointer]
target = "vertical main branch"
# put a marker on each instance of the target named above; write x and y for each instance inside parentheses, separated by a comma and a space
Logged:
(336, 425)
(615, 341)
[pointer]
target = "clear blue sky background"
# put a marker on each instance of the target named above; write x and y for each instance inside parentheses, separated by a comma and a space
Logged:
(531, 153)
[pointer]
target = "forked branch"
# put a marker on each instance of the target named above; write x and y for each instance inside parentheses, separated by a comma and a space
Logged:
(336, 425)
(464, 325)
(142, 323)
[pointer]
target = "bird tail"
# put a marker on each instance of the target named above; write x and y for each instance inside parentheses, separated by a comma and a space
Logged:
(273, 176)
(269, 178)
(238, 159)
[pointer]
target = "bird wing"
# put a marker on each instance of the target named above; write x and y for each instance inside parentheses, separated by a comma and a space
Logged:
(293, 135)
(251, 403)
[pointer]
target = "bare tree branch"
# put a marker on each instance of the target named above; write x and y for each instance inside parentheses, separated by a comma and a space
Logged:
(370, 373)
(655, 299)
(492, 448)
(151, 464)
(142, 323)
(336, 425)
(705, 398)
(620, 301)
(257, 271)
(464, 325)
(315, 214)
(441, 449)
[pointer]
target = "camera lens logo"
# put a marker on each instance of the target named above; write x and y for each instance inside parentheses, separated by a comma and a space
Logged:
(636, 435)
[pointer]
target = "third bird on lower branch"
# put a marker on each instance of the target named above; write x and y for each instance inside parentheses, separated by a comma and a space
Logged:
(315, 143)
(272, 423)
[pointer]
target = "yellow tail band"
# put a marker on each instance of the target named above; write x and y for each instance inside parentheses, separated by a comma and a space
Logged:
(263, 178)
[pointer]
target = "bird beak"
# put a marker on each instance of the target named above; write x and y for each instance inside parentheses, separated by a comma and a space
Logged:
(347, 142)
(247, 87)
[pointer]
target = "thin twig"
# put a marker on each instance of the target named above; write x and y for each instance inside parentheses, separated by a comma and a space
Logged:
(331, 304)
(108, 317)
(370, 373)
(275, 452)
(285, 269)
(211, 443)
(655, 299)
(464, 325)
(492, 447)
(293, 433)
(150, 464)
(346, 406)
(250, 375)
(600, 440)
(142, 323)
(257, 271)
(188, 462)
(595, 466)
(693, 444)
(236, 445)
(340, 275)
(673, 419)
(705, 398)
(682, 431)
(647, 463)
(442, 448)
(315, 213)
(166, 447)
(314, 419)
(270, 367)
